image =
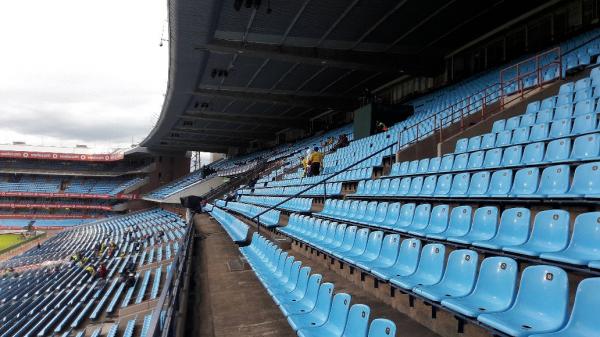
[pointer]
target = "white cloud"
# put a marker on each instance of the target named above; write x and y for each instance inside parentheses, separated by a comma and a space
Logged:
(81, 71)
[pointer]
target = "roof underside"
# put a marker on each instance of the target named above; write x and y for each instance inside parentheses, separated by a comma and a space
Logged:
(237, 76)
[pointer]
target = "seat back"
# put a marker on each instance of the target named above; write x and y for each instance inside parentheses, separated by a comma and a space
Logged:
(479, 183)
(428, 185)
(586, 146)
(349, 237)
(409, 254)
(415, 185)
(520, 135)
(407, 212)
(544, 290)
(312, 291)
(512, 155)
(460, 162)
(393, 211)
(389, 249)
(382, 328)
(439, 218)
(485, 221)
(393, 188)
(474, 143)
(560, 128)
(460, 184)
(444, 182)
(421, 216)
(360, 243)
(558, 150)
(374, 243)
(493, 158)
(404, 186)
(584, 317)
(538, 132)
(514, 225)
(431, 262)
(413, 167)
(533, 153)
(461, 145)
(555, 180)
(586, 233)
(446, 163)
(584, 123)
(358, 321)
(380, 212)
(338, 315)
(551, 229)
(500, 182)
(586, 179)
(497, 281)
(423, 165)
(434, 164)
(488, 141)
(526, 181)
(323, 304)
(461, 270)
(475, 160)
(460, 220)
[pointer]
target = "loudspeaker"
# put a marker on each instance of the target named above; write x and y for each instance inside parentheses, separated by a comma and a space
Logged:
(192, 202)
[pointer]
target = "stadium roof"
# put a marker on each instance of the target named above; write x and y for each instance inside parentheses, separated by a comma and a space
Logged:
(240, 74)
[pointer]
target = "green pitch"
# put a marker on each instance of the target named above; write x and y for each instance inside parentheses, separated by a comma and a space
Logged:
(9, 240)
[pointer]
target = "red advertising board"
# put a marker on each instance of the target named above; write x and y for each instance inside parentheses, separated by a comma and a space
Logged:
(61, 156)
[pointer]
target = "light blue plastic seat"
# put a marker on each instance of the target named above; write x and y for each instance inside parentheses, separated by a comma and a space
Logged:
(442, 187)
(475, 160)
(583, 107)
(533, 107)
(493, 158)
(548, 103)
(525, 182)
(380, 213)
(406, 262)
(494, 290)
(318, 315)
(544, 116)
(458, 279)
(503, 138)
(564, 99)
(375, 186)
(359, 246)
(347, 243)
(474, 143)
(585, 241)
(446, 163)
(550, 234)
(558, 150)
(420, 218)
(403, 168)
(564, 111)
(540, 305)
(358, 321)
(461, 145)
(566, 88)
(533, 153)
(438, 221)
(429, 271)
(407, 212)
(382, 328)
(434, 164)
(413, 167)
(539, 132)
(298, 292)
(423, 165)
(513, 230)
(404, 186)
(460, 162)
(485, 222)
(391, 216)
(387, 255)
(479, 184)
(512, 155)
(458, 225)
(584, 123)
(498, 126)
(586, 181)
(500, 183)
(586, 147)
(428, 186)
(512, 123)
(527, 120)
(560, 128)
(582, 95)
(583, 321)
(488, 141)
(336, 320)
(371, 251)
(460, 184)
(307, 302)
(384, 186)
(520, 135)
(393, 187)
(415, 186)
(554, 181)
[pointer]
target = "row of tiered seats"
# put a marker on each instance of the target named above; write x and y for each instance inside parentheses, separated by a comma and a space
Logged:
(268, 219)
(310, 306)
(235, 228)
(52, 184)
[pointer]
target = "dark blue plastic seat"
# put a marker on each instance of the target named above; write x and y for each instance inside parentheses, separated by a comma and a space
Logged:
(513, 230)
(458, 279)
(584, 245)
(485, 222)
(540, 306)
(429, 271)
(494, 290)
(458, 224)
(583, 321)
(550, 234)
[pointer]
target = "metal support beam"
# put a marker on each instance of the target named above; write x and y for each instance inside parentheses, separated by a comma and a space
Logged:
(238, 120)
(283, 97)
(268, 118)
(347, 59)
(200, 142)
(228, 133)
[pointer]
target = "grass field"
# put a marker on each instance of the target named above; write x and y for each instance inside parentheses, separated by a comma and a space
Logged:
(9, 240)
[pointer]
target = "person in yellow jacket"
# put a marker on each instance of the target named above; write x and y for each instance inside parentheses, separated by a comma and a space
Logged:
(304, 162)
(315, 160)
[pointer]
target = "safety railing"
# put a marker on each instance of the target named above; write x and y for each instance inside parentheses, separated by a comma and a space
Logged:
(489, 100)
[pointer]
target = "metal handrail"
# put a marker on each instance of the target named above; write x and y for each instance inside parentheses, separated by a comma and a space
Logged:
(256, 218)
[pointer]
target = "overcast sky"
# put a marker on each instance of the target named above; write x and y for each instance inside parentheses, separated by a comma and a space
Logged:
(81, 71)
